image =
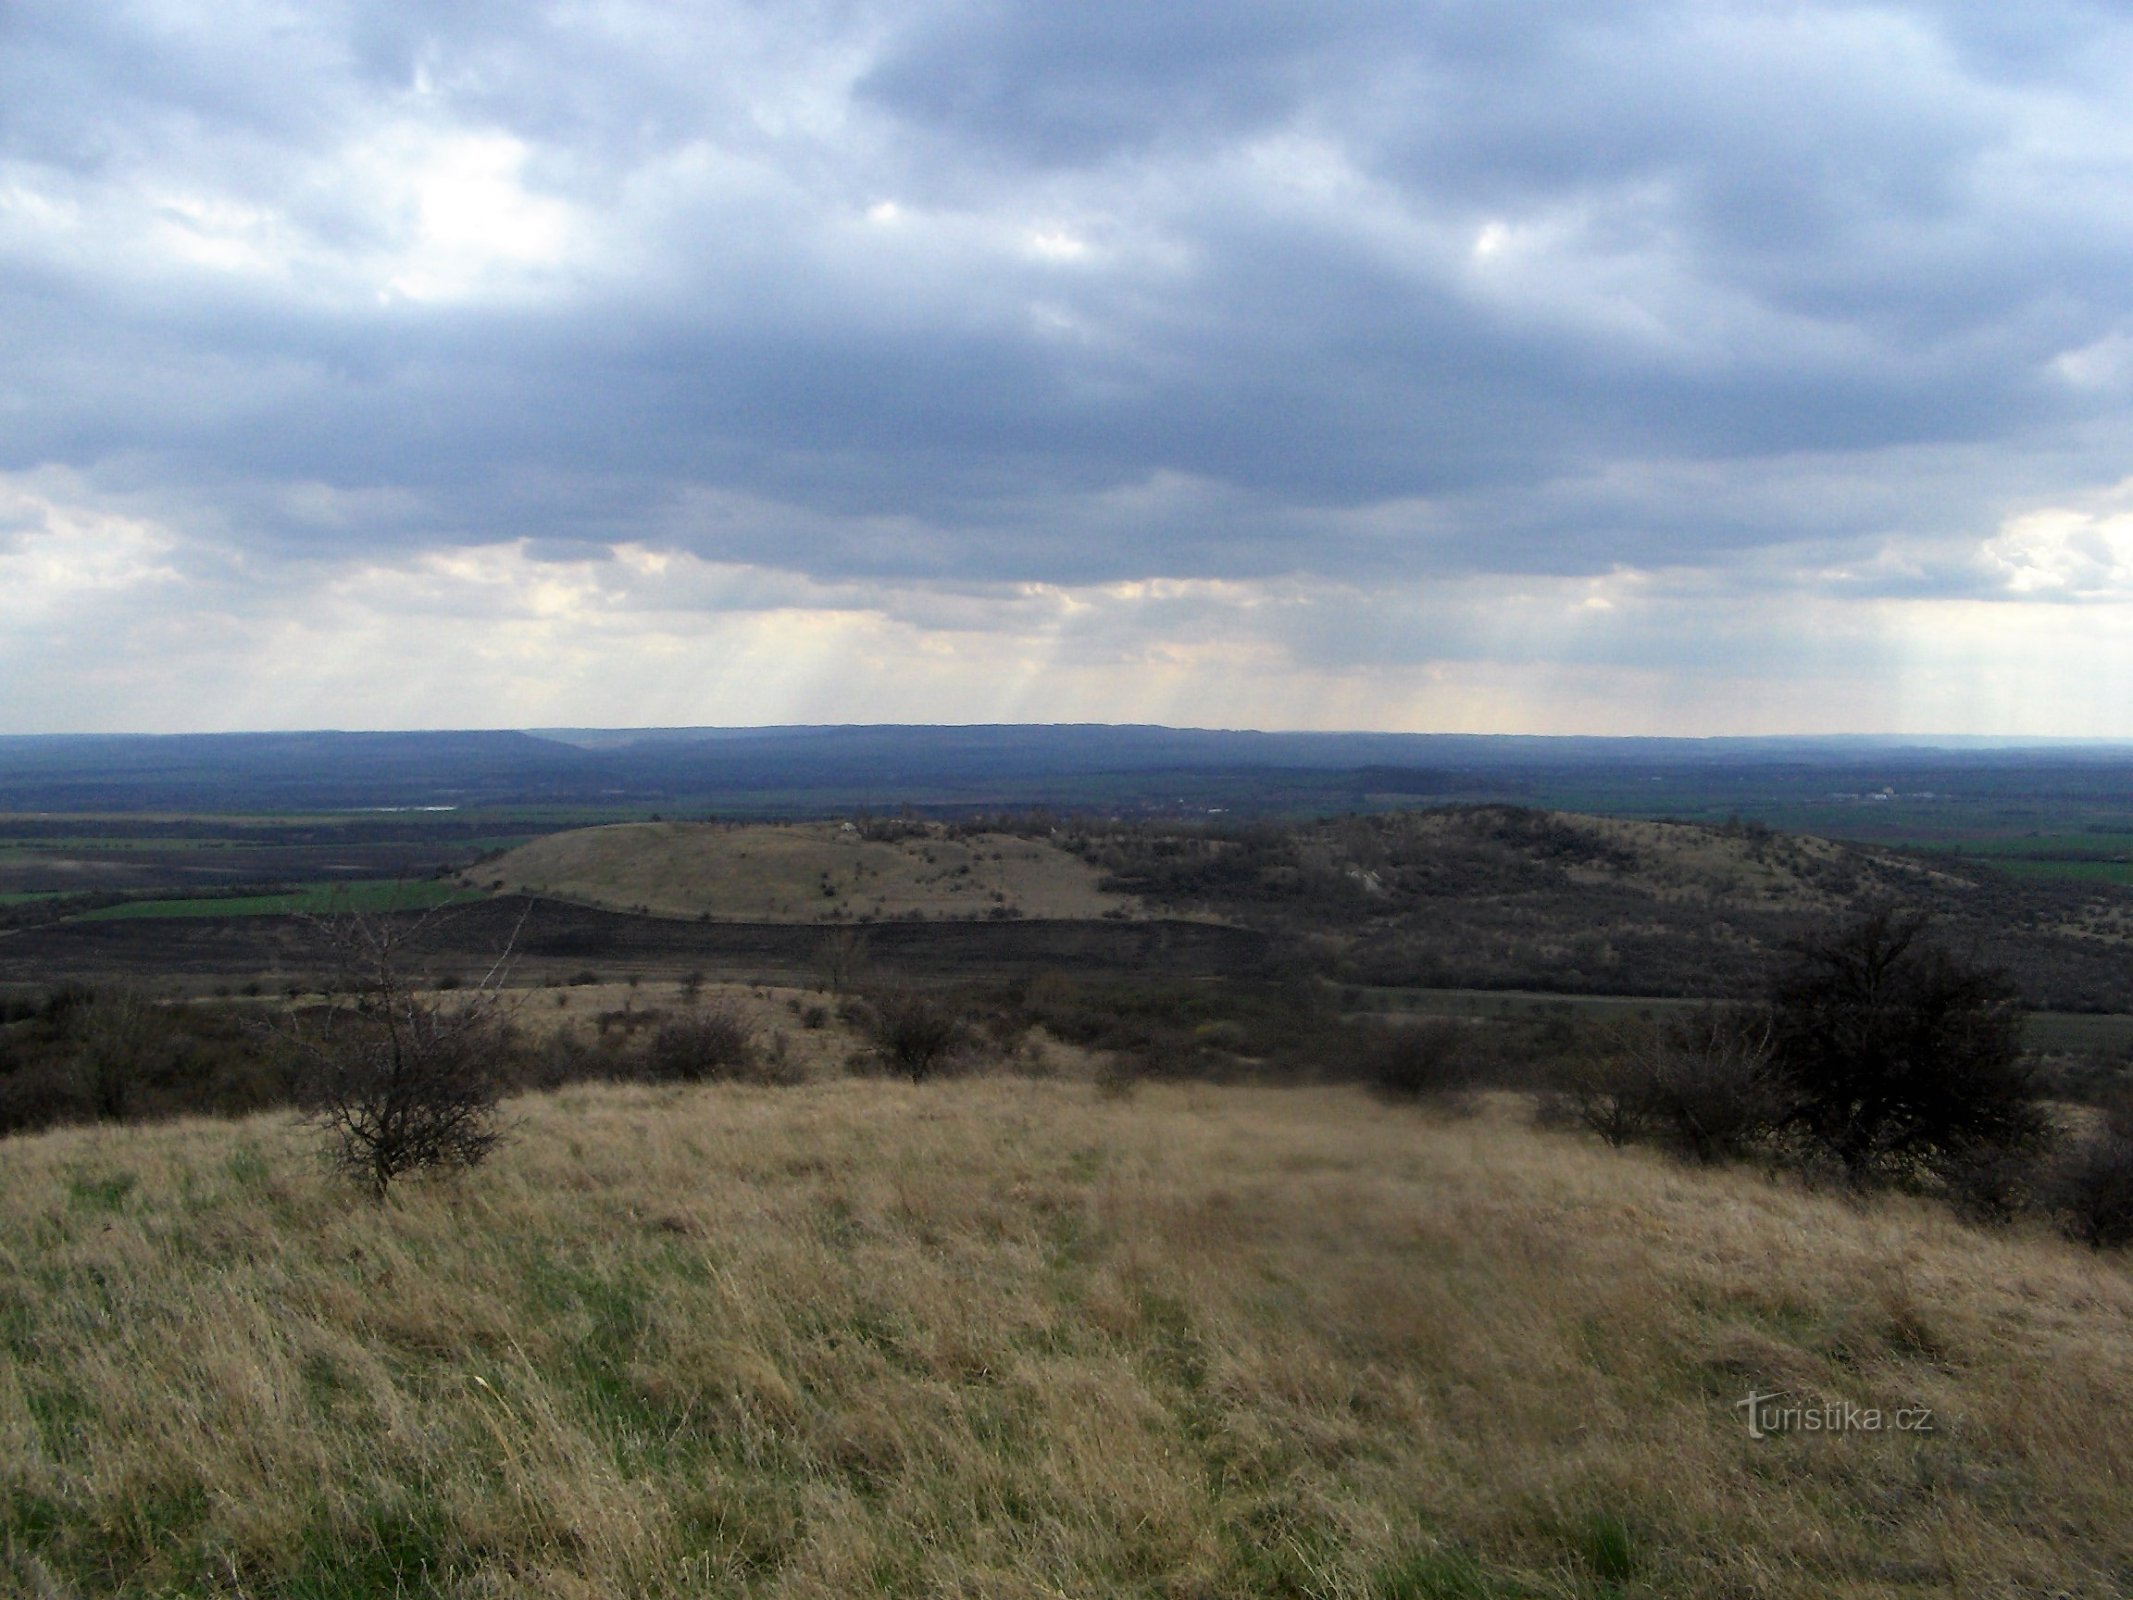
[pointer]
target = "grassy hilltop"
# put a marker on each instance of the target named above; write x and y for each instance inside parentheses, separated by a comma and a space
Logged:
(804, 872)
(1011, 1337)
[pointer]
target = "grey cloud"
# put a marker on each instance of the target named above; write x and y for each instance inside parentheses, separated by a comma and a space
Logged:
(1818, 235)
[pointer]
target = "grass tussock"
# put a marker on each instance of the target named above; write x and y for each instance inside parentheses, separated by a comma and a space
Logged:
(1004, 1338)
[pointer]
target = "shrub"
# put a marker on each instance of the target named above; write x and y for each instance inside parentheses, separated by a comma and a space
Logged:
(1991, 1187)
(1608, 1089)
(1425, 1060)
(2090, 1193)
(914, 1033)
(113, 1036)
(1896, 1055)
(398, 1082)
(1714, 1092)
(840, 959)
(40, 1095)
(2090, 1190)
(705, 1042)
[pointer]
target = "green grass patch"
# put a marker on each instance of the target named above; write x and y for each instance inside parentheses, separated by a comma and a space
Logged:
(1442, 1575)
(106, 1193)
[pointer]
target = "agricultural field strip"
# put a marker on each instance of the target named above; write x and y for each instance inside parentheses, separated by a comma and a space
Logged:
(2046, 1030)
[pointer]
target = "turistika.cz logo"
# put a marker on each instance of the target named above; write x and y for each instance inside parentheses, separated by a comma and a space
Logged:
(1769, 1414)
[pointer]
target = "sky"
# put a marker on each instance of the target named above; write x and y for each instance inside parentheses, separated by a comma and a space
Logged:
(1441, 365)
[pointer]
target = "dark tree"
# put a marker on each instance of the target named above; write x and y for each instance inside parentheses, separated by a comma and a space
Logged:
(399, 1080)
(1898, 1056)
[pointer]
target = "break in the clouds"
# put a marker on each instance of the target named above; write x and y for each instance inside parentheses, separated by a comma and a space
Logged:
(1652, 367)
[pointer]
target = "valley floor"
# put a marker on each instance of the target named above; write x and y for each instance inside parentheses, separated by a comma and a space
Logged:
(1004, 1337)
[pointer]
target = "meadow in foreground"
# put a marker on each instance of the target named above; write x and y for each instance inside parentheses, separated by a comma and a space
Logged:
(1006, 1337)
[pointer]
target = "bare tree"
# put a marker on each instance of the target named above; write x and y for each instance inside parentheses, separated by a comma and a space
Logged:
(840, 959)
(400, 1081)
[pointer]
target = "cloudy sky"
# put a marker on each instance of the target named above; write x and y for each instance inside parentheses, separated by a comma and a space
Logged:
(1427, 364)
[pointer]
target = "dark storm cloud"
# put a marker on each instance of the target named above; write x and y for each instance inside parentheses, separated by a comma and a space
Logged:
(1069, 293)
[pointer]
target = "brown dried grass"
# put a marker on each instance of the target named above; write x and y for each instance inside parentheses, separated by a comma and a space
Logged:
(1003, 1337)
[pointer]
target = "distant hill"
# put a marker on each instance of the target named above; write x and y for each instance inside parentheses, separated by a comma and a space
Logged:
(1886, 788)
(809, 872)
(1504, 897)
(1479, 896)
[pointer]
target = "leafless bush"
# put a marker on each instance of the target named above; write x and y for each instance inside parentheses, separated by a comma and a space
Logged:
(1991, 1186)
(1430, 1060)
(915, 1034)
(1608, 1089)
(114, 1034)
(707, 1042)
(1715, 1093)
(2090, 1189)
(1702, 1085)
(40, 1095)
(400, 1082)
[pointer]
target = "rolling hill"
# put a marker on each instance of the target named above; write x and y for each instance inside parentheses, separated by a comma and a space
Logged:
(807, 872)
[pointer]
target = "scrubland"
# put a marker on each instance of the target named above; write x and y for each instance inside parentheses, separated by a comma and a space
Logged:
(1013, 1337)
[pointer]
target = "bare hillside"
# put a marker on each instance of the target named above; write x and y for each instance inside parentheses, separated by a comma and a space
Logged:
(807, 872)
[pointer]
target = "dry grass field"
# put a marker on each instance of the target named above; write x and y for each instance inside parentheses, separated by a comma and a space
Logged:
(803, 872)
(1004, 1337)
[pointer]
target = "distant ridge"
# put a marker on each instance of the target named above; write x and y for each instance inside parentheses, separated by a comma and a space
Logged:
(800, 770)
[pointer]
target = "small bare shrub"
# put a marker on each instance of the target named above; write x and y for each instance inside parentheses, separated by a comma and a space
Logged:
(2090, 1191)
(1609, 1090)
(114, 1034)
(1714, 1089)
(706, 1042)
(1429, 1060)
(841, 958)
(916, 1035)
(1990, 1187)
(1119, 1076)
(399, 1082)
